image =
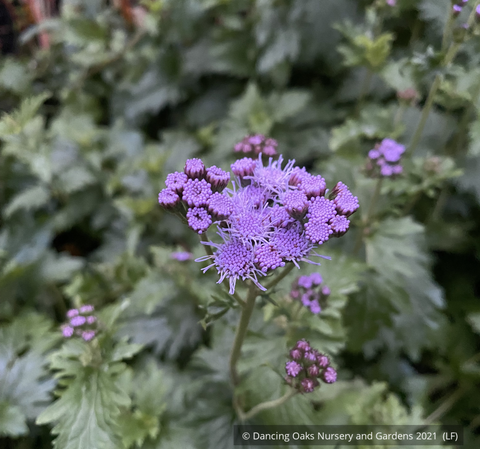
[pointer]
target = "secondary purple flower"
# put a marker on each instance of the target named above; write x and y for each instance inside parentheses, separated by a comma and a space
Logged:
(292, 244)
(273, 177)
(181, 256)
(198, 219)
(339, 225)
(329, 375)
(317, 231)
(305, 282)
(67, 331)
(257, 144)
(397, 169)
(218, 178)
(307, 298)
(345, 203)
(267, 258)
(313, 371)
(249, 226)
(220, 206)
(303, 345)
(456, 10)
(78, 321)
(243, 167)
(176, 181)
(391, 2)
(168, 199)
(374, 154)
(297, 176)
(326, 291)
(197, 192)
(391, 150)
(279, 217)
(293, 368)
(296, 354)
(194, 168)
(386, 170)
(313, 186)
(315, 307)
(316, 278)
(308, 385)
(310, 356)
(87, 308)
(321, 209)
(72, 312)
(296, 204)
(91, 319)
(322, 360)
(88, 335)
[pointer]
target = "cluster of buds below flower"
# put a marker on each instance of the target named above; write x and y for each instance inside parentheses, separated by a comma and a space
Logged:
(256, 144)
(384, 159)
(306, 366)
(272, 216)
(307, 289)
(81, 323)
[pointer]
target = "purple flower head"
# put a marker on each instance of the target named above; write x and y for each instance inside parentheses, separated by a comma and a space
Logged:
(88, 335)
(168, 199)
(316, 278)
(295, 294)
(456, 10)
(297, 176)
(243, 167)
(296, 354)
(374, 154)
(391, 2)
(233, 260)
(317, 231)
(296, 204)
(322, 360)
(273, 177)
(386, 170)
(267, 258)
(194, 168)
(397, 169)
(329, 375)
(71, 313)
(308, 385)
(313, 186)
(78, 321)
(257, 139)
(321, 209)
(198, 219)
(270, 147)
(86, 308)
(305, 282)
(345, 203)
(257, 144)
(292, 244)
(218, 178)
(391, 150)
(477, 12)
(181, 256)
(310, 356)
(67, 331)
(303, 345)
(307, 298)
(249, 226)
(91, 319)
(339, 225)
(197, 192)
(176, 181)
(293, 368)
(220, 206)
(326, 291)
(313, 371)
(279, 217)
(315, 307)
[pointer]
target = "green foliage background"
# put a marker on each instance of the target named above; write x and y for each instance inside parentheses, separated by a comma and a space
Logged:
(92, 127)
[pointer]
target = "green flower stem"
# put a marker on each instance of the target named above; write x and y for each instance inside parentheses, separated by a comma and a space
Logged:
(399, 114)
(241, 332)
(268, 405)
(429, 102)
(285, 273)
(370, 212)
(448, 27)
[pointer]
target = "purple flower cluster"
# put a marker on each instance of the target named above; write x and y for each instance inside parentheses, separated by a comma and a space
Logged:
(273, 215)
(306, 366)
(198, 189)
(81, 323)
(256, 144)
(384, 159)
(307, 290)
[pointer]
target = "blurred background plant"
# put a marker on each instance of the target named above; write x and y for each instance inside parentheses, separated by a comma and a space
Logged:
(103, 99)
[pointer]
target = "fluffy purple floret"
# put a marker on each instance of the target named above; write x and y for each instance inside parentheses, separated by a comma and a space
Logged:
(296, 203)
(67, 331)
(316, 278)
(326, 291)
(176, 181)
(87, 308)
(339, 225)
(273, 177)
(220, 206)
(88, 335)
(194, 168)
(397, 169)
(267, 258)
(311, 356)
(386, 170)
(181, 256)
(257, 144)
(168, 199)
(249, 226)
(317, 231)
(391, 150)
(346, 203)
(308, 385)
(296, 354)
(329, 375)
(91, 319)
(313, 371)
(291, 243)
(78, 321)
(279, 217)
(303, 345)
(457, 9)
(374, 154)
(297, 176)
(321, 209)
(217, 178)
(305, 282)
(306, 299)
(315, 307)
(322, 360)
(198, 219)
(243, 167)
(71, 313)
(293, 368)
(197, 192)
(313, 186)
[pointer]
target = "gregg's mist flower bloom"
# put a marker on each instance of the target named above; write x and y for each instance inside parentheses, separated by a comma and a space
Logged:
(81, 323)
(274, 213)
(306, 367)
(256, 144)
(384, 159)
(308, 290)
